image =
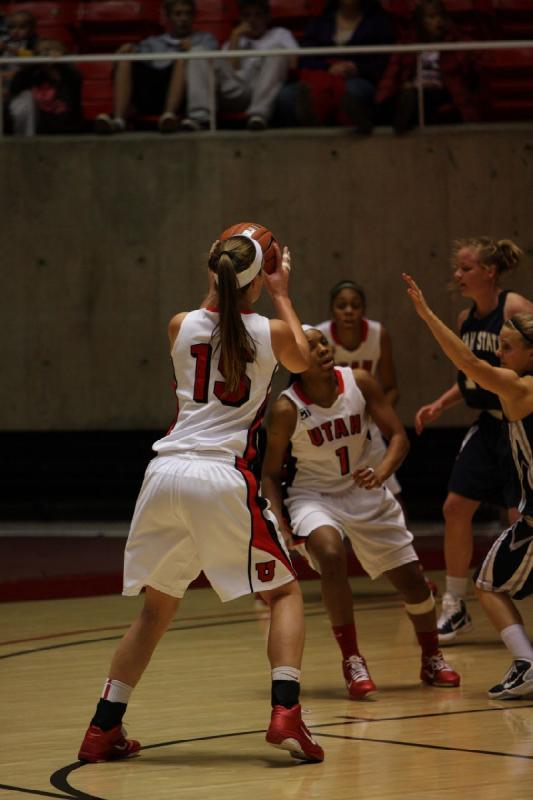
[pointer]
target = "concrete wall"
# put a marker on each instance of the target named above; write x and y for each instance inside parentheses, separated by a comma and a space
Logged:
(103, 240)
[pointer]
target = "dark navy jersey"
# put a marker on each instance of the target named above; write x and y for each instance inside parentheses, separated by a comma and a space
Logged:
(481, 336)
(521, 436)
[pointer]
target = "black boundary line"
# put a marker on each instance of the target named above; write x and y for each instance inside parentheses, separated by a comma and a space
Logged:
(427, 746)
(169, 630)
(60, 778)
(37, 792)
(316, 613)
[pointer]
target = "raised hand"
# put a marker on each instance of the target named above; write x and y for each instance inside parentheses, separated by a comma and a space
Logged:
(277, 283)
(415, 293)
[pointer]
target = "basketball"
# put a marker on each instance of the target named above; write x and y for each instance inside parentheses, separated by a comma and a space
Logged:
(267, 240)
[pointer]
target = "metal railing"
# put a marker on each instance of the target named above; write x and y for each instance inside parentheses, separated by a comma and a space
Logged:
(301, 52)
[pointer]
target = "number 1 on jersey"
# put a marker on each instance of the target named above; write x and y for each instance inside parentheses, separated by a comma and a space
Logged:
(344, 459)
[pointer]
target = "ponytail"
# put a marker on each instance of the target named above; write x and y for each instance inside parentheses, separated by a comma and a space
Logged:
(504, 254)
(237, 348)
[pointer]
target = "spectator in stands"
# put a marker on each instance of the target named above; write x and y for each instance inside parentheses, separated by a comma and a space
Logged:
(46, 98)
(3, 31)
(449, 79)
(17, 38)
(334, 89)
(252, 84)
(164, 88)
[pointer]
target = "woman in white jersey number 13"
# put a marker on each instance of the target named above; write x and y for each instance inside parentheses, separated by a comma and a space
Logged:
(199, 507)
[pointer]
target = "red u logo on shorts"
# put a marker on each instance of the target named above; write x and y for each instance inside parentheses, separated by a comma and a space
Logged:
(265, 570)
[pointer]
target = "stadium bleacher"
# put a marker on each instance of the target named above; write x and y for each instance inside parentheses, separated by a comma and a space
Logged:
(99, 26)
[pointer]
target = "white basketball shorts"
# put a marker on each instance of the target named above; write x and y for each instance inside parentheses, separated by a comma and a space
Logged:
(372, 519)
(195, 513)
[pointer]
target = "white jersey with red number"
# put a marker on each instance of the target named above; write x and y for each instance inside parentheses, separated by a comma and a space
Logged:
(328, 443)
(209, 420)
(366, 356)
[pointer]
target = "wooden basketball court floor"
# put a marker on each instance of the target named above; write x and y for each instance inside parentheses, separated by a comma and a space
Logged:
(202, 707)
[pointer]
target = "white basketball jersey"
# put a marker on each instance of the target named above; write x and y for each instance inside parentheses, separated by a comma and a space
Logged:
(366, 356)
(328, 443)
(208, 420)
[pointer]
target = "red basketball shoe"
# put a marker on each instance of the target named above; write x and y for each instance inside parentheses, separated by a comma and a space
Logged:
(288, 732)
(358, 681)
(437, 672)
(99, 745)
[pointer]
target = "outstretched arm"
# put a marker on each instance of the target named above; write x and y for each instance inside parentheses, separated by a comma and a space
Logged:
(503, 382)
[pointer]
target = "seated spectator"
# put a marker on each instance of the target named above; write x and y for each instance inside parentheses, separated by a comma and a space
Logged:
(3, 31)
(164, 88)
(46, 98)
(336, 89)
(449, 79)
(252, 84)
(18, 39)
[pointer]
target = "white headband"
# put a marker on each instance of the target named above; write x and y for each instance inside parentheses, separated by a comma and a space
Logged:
(248, 274)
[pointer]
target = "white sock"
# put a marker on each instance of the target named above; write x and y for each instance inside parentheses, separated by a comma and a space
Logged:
(286, 674)
(456, 586)
(517, 642)
(116, 691)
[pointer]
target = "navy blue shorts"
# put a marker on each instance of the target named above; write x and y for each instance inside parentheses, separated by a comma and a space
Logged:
(484, 468)
(508, 566)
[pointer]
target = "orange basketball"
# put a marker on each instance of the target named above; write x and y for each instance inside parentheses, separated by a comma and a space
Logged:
(267, 240)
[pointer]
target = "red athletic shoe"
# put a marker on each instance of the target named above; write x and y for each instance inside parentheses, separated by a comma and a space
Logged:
(437, 672)
(99, 745)
(288, 732)
(358, 681)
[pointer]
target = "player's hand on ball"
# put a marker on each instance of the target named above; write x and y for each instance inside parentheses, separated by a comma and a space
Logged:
(277, 282)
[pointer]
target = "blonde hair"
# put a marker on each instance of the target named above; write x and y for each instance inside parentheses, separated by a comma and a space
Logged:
(503, 254)
(227, 259)
(523, 323)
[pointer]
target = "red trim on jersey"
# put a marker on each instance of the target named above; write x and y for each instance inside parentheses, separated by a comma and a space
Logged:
(364, 329)
(297, 386)
(333, 330)
(250, 449)
(263, 533)
(340, 380)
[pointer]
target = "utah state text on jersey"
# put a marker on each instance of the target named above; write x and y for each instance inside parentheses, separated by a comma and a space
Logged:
(481, 341)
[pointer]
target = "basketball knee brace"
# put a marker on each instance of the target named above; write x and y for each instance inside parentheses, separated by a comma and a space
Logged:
(424, 607)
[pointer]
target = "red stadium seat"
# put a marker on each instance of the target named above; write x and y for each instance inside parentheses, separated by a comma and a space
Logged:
(507, 84)
(217, 10)
(97, 88)
(294, 14)
(104, 25)
(514, 18)
(55, 20)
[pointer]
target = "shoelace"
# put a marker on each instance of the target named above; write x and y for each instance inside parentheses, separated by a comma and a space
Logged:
(438, 663)
(358, 670)
(450, 606)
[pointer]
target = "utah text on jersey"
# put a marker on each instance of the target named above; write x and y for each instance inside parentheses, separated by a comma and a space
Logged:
(335, 429)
